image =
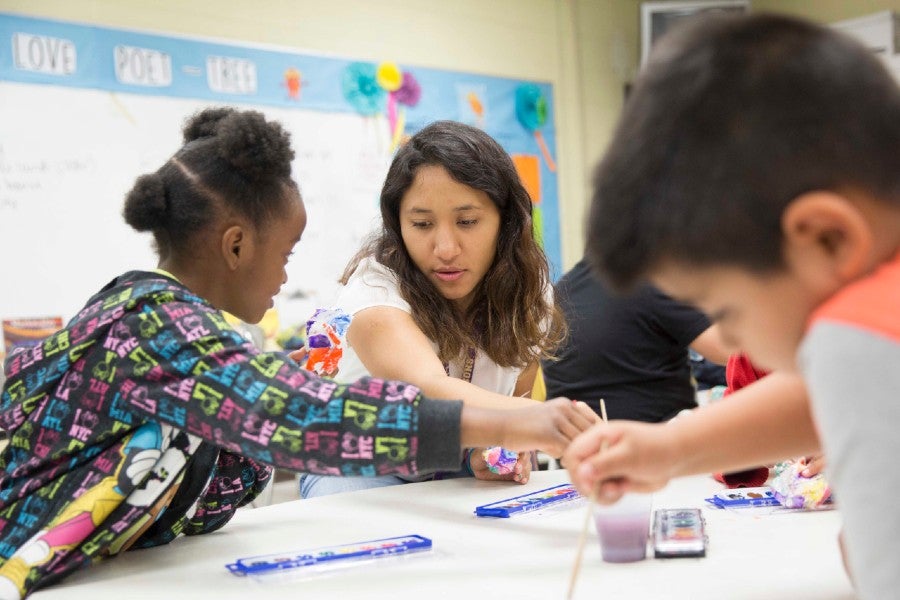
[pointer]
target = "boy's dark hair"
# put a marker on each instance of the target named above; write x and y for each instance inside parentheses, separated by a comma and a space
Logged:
(510, 318)
(231, 161)
(732, 118)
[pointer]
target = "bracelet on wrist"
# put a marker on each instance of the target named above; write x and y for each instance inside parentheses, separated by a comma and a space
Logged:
(467, 461)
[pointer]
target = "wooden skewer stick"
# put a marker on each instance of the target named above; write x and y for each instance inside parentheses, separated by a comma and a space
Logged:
(587, 519)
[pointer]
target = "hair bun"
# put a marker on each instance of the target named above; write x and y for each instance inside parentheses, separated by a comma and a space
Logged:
(145, 204)
(205, 123)
(259, 149)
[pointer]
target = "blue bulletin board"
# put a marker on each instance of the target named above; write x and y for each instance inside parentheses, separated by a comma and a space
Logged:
(84, 110)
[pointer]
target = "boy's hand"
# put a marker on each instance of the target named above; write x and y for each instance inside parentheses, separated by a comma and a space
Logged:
(635, 457)
(520, 473)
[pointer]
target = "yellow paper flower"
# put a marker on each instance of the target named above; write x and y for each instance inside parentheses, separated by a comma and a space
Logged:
(389, 76)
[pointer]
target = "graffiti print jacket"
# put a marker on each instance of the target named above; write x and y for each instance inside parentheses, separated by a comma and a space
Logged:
(148, 416)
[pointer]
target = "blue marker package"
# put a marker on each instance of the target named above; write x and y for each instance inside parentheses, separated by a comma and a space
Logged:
(330, 557)
(529, 502)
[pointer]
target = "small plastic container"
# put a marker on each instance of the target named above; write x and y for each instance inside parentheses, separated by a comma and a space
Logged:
(624, 528)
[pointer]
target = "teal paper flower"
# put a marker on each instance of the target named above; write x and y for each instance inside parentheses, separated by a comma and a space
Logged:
(531, 107)
(361, 89)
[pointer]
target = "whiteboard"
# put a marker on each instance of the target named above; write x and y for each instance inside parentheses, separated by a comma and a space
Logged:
(85, 110)
(68, 156)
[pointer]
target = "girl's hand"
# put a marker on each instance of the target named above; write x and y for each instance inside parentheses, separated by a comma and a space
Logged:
(547, 426)
(299, 356)
(520, 473)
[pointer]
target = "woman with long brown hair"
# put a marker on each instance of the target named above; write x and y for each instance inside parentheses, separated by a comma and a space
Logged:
(454, 292)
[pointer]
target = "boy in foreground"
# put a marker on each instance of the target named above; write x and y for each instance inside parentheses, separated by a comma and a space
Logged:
(755, 173)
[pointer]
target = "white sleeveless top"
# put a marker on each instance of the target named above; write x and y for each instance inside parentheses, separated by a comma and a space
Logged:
(373, 284)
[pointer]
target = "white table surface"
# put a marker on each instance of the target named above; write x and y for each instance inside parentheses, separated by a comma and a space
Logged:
(753, 553)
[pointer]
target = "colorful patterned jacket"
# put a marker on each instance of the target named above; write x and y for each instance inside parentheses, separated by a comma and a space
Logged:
(148, 416)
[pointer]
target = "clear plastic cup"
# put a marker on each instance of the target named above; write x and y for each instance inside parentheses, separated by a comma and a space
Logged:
(624, 528)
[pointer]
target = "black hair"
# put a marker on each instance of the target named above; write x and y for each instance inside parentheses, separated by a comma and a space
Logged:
(732, 119)
(231, 161)
(510, 318)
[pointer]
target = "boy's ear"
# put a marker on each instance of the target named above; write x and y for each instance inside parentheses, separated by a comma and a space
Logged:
(234, 240)
(827, 231)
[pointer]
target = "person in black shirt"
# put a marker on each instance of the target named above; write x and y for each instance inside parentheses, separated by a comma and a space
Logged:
(630, 350)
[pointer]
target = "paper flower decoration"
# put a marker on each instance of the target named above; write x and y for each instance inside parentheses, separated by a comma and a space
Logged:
(389, 76)
(369, 89)
(531, 110)
(361, 89)
(403, 90)
(410, 91)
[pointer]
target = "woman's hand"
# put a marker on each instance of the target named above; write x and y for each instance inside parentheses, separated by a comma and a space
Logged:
(520, 473)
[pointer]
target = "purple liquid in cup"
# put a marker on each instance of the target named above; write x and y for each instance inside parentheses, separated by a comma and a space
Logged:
(623, 528)
(623, 538)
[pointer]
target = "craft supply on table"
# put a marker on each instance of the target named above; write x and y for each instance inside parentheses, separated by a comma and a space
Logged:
(744, 498)
(592, 499)
(313, 561)
(552, 496)
(623, 527)
(679, 533)
(793, 490)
